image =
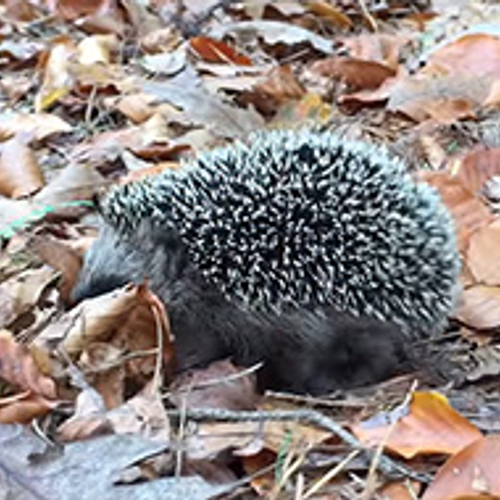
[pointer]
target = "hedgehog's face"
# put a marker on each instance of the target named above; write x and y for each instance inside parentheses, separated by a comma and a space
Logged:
(108, 264)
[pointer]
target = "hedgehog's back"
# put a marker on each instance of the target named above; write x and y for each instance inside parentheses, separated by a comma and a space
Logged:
(304, 219)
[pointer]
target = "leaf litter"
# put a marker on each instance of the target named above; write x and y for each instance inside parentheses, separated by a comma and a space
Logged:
(98, 93)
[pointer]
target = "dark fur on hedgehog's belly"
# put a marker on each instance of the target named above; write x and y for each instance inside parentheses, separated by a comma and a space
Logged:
(301, 350)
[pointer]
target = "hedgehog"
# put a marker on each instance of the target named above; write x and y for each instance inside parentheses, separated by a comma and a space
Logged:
(318, 256)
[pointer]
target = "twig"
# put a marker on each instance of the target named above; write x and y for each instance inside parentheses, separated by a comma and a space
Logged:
(218, 381)
(329, 475)
(371, 20)
(370, 479)
(386, 465)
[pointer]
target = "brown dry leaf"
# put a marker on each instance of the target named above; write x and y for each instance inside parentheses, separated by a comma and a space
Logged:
(477, 167)
(431, 426)
(152, 171)
(126, 318)
(150, 139)
(21, 292)
(404, 490)
(37, 125)
(89, 418)
(422, 99)
(357, 74)
(104, 78)
(75, 182)
(19, 11)
(352, 101)
(294, 434)
(60, 257)
(144, 415)
(57, 77)
(274, 32)
(74, 9)
(277, 88)
(262, 483)
(201, 107)
(216, 51)
(328, 13)
(99, 16)
(377, 47)
(210, 439)
(471, 474)
(137, 107)
(220, 385)
(454, 83)
(104, 366)
(492, 100)
(474, 54)
(469, 213)
(14, 88)
(483, 255)
(480, 307)
(100, 318)
(20, 174)
(96, 319)
(165, 39)
(37, 393)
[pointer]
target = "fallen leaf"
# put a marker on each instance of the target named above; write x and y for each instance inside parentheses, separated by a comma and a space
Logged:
(479, 307)
(477, 167)
(88, 469)
(469, 213)
(327, 12)
(38, 125)
(57, 77)
(475, 54)
(76, 182)
(60, 257)
(36, 393)
(165, 63)
(274, 32)
(482, 257)
(455, 81)
(97, 49)
(20, 174)
(357, 74)
(201, 107)
(383, 48)
(21, 292)
(471, 474)
(220, 385)
(430, 426)
(212, 50)
(276, 89)
(88, 420)
(143, 415)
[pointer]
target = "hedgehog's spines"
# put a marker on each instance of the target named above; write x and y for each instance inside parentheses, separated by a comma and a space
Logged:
(304, 219)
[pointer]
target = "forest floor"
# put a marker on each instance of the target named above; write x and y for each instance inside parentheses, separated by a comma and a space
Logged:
(94, 94)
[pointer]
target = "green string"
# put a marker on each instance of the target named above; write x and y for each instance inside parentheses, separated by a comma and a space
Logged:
(282, 453)
(12, 228)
